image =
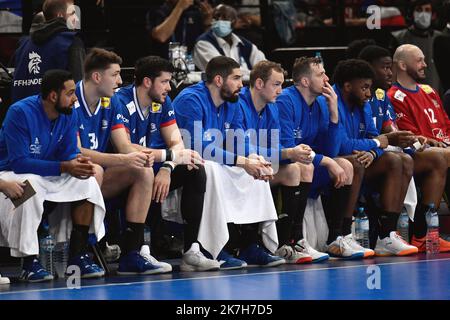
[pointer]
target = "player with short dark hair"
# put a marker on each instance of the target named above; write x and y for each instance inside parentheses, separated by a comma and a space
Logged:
(151, 125)
(309, 115)
(384, 171)
(38, 143)
(209, 112)
(100, 123)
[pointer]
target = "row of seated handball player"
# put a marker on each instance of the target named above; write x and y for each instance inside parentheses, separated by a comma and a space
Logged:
(81, 118)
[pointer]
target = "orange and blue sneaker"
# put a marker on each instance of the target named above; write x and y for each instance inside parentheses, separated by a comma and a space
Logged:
(341, 248)
(420, 243)
(356, 246)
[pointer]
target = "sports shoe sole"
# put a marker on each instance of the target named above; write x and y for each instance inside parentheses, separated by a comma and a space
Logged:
(355, 256)
(189, 268)
(368, 254)
(148, 272)
(38, 280)
(320, 259)
(400, 254)
(4, 280)
(269, 265)
(303, 260)
(244, 265)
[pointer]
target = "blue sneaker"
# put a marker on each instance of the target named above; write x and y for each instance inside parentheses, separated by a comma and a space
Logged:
(228, 262)
(35, 272)
(87, 267)
(135, 263)
(255, 256)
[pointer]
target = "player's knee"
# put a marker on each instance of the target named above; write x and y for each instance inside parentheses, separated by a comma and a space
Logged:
(98, 174)
(393, 162)
(439, 161)
(358, 169)
(407, 164)
(293, 175)
(307, 172)
(143, 175)
(347, 167)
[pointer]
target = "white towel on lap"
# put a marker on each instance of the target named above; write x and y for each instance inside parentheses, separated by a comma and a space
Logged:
(233, 196)
(18, 227)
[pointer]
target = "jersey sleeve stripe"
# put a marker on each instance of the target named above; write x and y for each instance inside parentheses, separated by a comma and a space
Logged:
(168, 123)
(118, 126)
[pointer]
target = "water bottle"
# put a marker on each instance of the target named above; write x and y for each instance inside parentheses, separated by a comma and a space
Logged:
(61, 258)
(190, 63)
(46, 252)
(432, 237)
(147, 236)
(403, 224)
(362, 228)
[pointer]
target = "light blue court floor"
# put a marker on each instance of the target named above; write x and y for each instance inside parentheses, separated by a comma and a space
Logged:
(392, 278)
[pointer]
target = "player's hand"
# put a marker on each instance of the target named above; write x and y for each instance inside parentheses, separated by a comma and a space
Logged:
(384, 142)
(161, 185)
(401, 139)
(332, 99)
(138, 159)
(337, 174)
(254, 167)
(150, 158)
(435, 143)
(81, 167)
(302, 154)
(266, 173)
(12, 189)
(189, 157)
(364, 157)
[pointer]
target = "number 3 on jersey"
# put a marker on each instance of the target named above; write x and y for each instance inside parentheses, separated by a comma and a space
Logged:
(430, 114)
(93, 140)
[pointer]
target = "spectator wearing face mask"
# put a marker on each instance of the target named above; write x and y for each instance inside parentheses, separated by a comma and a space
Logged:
(421, 34)
(221, 41)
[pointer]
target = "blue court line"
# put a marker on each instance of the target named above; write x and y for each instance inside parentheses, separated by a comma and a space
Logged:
(286, 284)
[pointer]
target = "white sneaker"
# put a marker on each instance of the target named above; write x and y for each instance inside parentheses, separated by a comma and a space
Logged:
(341, 248)
(356, 246)
(163, 267)
(194, 260)
(305, 247)
(291, 255)
(111, 252)
(4, 280)
(394, 245)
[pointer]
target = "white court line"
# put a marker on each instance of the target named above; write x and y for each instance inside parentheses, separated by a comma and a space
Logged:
(220, 276)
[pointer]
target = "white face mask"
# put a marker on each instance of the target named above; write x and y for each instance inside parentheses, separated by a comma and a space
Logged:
(73, 17)
(422, 20)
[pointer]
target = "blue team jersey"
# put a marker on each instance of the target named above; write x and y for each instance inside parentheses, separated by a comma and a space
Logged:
(383, 113)
(144, 130)
(265, 139)
(357, 126)
(31, 143)
(95, 128)
(208, 125)
(301, 123)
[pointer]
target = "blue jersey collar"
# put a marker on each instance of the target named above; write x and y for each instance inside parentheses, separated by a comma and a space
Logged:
(84, 103)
